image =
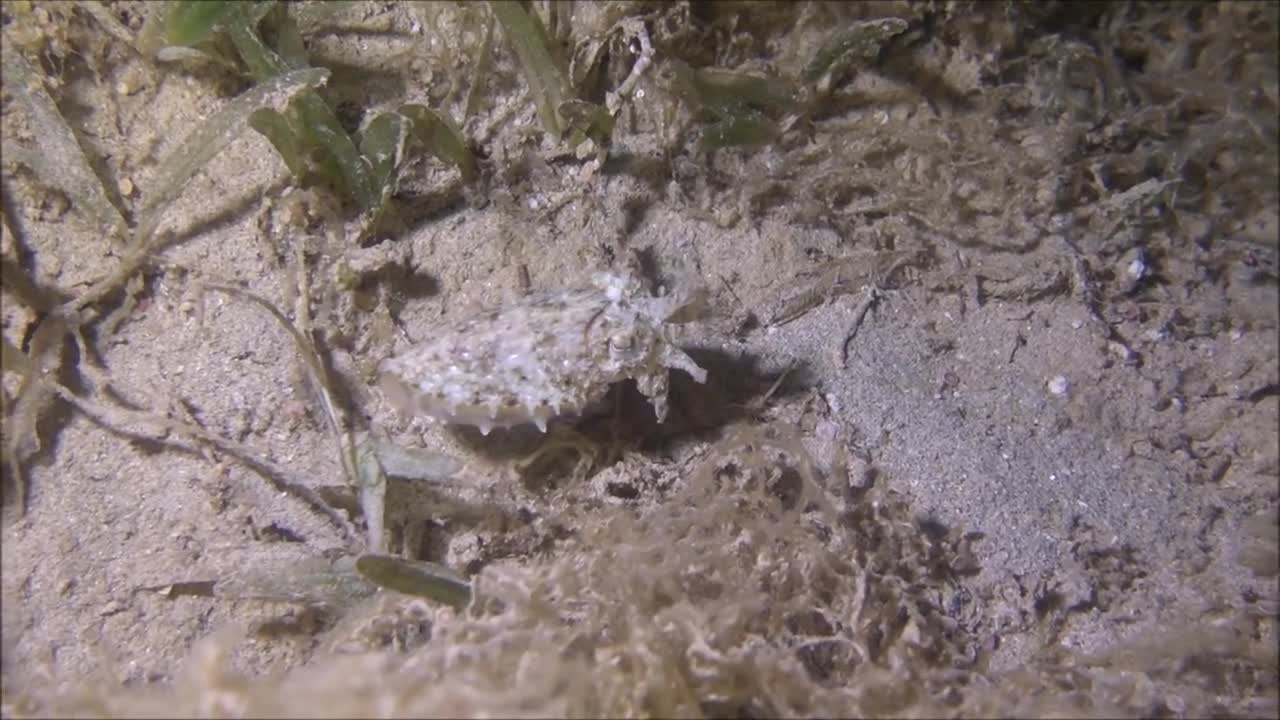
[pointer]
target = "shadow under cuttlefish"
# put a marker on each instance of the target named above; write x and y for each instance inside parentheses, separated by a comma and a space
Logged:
(735, 390)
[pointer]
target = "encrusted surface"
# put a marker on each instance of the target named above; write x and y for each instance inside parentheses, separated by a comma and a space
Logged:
(554, 353)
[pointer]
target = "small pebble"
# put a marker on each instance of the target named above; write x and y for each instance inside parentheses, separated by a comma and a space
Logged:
(1059, 385)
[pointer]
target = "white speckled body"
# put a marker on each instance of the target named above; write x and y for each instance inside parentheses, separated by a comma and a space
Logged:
(550, 354)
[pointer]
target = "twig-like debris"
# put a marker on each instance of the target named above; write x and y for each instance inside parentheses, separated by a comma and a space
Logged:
(755, 408)
(840, 277)
(632, 28)
(33, 398)
(347, 455)
(870, 296)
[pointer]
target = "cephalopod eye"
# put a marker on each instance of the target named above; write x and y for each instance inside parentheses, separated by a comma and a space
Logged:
(622, 342)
